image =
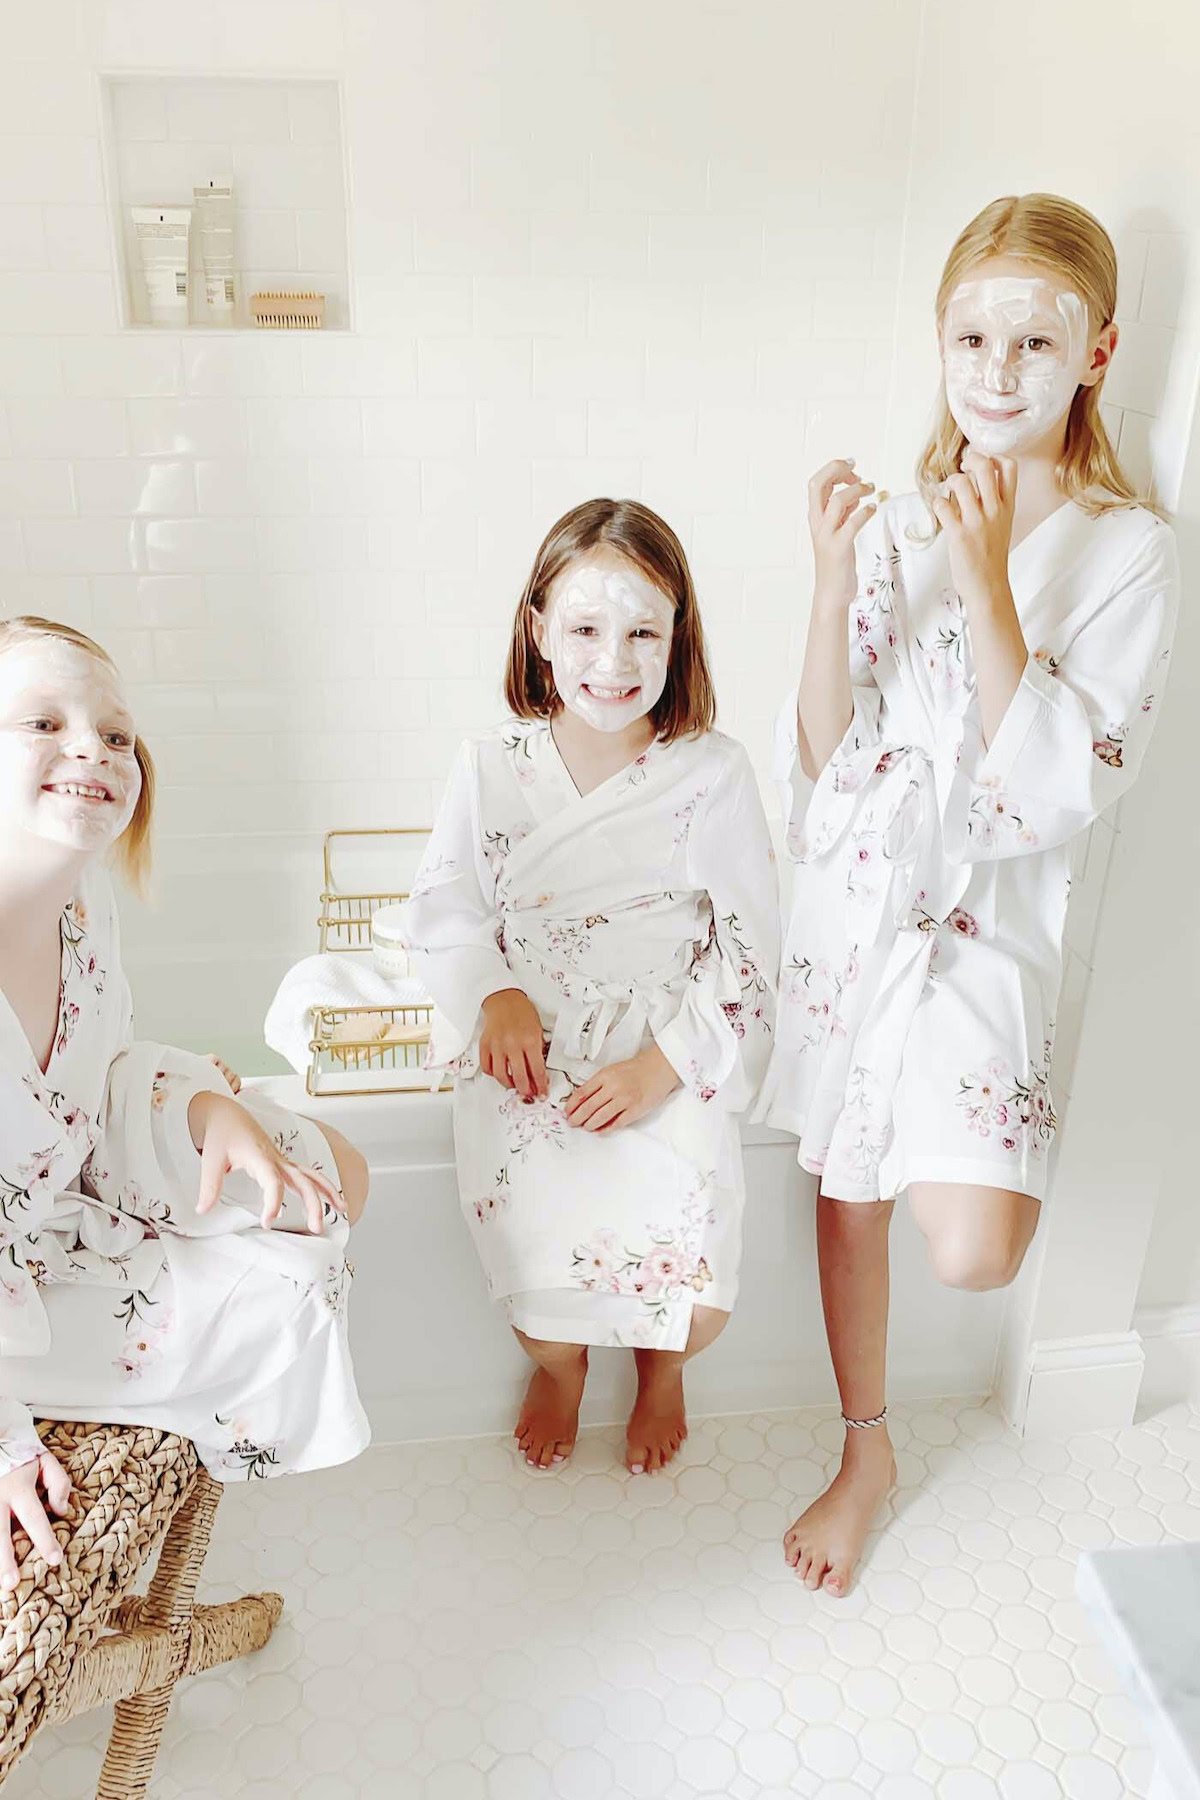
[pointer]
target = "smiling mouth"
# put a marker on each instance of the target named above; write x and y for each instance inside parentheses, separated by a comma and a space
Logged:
(79, 790)
(610, 693)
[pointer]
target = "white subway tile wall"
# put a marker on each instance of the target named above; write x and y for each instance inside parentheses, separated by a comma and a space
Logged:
(591, 249)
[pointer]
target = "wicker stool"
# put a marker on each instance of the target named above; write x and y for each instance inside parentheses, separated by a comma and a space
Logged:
(76, 1636)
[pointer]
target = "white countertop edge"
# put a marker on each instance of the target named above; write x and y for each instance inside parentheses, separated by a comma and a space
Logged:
(1171, 1719)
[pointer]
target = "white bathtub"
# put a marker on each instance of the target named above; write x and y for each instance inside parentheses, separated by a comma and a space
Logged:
(435, 1358)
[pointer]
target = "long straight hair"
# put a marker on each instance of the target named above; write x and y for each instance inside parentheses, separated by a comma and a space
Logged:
(688, 701)
(1068, 242)
(132, 849)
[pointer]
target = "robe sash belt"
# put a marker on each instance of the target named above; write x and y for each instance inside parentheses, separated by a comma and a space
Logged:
(598, 1020)
(901, 889)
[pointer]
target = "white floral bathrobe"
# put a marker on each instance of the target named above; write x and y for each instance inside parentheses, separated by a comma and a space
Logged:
(117, 1301)
(645, 909)
(923, 961)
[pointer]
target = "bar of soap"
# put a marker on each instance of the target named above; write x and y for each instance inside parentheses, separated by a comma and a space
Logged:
(406, 1034)
(362, 1028)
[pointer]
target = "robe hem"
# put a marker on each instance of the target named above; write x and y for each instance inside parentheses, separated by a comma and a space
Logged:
(967, 1171)
(598, 1331)
(151, 1418)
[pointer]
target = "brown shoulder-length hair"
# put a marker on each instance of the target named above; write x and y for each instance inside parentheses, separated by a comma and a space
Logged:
(132, 849)
(688, 703)
(1065, 239)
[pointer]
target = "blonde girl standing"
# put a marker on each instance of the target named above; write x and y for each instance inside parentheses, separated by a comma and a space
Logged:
(984, 663)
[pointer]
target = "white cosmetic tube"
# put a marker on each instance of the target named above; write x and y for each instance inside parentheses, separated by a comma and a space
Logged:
(162, 239)
(214, 212)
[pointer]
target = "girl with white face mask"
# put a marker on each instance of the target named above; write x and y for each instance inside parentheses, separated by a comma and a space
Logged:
(169, 1256)
(596, 918)
(1008, 630)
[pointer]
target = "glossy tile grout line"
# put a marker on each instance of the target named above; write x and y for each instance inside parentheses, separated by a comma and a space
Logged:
(459, 1628)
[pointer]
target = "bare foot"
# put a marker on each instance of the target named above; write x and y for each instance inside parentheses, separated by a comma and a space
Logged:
(658, 1422)
(549, 1421)
(826, 1541)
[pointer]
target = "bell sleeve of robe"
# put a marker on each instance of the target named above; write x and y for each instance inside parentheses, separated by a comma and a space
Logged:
(27, 1191)
(147, 1164)
(40, 1155)
(19, 1441)
(719, 1040)
(451, 923)
(1075, 731)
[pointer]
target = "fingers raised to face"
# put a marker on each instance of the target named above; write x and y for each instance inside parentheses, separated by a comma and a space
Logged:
(834, 474)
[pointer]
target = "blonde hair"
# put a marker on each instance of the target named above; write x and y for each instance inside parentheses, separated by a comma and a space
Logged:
(1066, 240)
(132, 849)
(688, 701)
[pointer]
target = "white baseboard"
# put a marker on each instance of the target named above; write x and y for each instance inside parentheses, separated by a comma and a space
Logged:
(1076, 1384)
(1178, 1321)
(1171, 1336)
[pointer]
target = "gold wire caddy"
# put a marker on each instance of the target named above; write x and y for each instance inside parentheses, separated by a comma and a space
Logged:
(345, 918)
(365, 1049)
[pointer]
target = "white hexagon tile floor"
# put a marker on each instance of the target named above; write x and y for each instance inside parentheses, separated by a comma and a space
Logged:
(458, 1628)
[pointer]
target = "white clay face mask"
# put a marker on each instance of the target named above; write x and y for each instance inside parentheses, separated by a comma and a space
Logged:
(68, 770)
(607, 633)
(1014, 352)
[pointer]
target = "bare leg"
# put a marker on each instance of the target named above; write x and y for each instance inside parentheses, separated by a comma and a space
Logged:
(549, 1420)
(977, 1236)
(825, 1542)
(658, 1422)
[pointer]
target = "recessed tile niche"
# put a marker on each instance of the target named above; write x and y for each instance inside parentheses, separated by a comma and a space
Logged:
(278, 143)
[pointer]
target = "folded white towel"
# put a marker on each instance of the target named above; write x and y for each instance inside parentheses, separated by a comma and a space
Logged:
(329, 980)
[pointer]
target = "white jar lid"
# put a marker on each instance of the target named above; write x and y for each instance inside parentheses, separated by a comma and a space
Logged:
(387, 926)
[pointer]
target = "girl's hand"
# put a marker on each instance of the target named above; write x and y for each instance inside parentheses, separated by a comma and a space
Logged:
(19, 1500)
(976, 513)
(231, 1075)
(512, 1049)
(835, 520)
(623, 1092)
(228, 1138)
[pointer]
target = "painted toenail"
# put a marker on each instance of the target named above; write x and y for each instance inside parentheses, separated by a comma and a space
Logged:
(637, 1468)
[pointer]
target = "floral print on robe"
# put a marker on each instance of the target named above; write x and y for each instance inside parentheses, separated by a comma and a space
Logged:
(646, 910)
(923, 958)
(117, 1300)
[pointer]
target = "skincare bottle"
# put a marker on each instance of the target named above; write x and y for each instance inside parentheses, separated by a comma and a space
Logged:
(214, 211)
(162, 239)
